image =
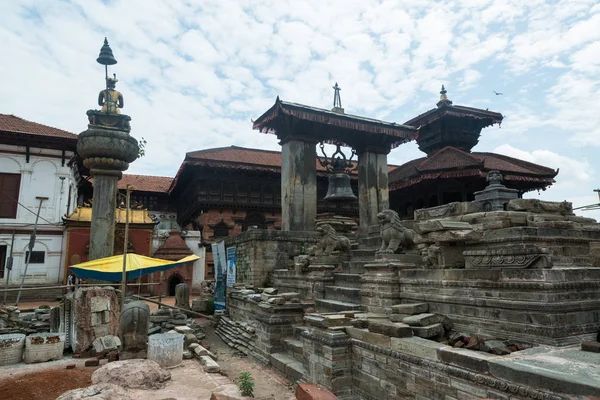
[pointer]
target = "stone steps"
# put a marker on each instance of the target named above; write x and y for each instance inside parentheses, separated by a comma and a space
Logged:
(326, 305)
(236, 335)
(295, 348)
(347, 280)
(342, 293)
(288, 366)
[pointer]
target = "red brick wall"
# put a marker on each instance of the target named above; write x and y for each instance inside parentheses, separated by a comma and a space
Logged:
(79, 238)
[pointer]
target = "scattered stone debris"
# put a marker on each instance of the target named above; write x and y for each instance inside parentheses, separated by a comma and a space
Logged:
(13, 321)
(101, 391)
(132, 374)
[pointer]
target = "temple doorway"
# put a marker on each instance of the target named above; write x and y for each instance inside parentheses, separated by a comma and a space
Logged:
(174, 280)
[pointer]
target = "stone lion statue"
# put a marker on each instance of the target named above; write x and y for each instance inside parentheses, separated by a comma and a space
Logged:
(393, 234)
(330, 242)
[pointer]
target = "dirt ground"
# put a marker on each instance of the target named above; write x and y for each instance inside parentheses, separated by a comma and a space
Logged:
(45, 384)
(268, 385)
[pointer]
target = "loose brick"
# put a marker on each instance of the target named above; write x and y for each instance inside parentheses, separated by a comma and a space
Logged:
(310, 391)
(94, 362)
(70, 366)
(593, 347)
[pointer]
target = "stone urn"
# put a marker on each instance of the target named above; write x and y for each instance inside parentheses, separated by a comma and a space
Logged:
(106, 145)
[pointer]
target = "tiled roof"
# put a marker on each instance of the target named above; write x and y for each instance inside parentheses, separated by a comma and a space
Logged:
(240, 158)
(146, 183)
(14, 124)
(174, 248)
(450, 158)
(243, 155)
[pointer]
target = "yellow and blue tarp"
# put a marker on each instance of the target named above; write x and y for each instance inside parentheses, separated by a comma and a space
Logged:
(111, 268)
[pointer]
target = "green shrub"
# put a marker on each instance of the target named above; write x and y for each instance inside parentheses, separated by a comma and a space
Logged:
(246, 384)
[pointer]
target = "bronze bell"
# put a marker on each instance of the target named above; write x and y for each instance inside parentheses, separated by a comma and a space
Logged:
(106, 56)
(339, 188)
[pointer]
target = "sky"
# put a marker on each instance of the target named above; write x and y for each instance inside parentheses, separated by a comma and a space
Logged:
(195, 73)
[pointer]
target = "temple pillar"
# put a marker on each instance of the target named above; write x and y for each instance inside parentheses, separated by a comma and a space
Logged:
(373, 195)
(298, 185)
(103, 215)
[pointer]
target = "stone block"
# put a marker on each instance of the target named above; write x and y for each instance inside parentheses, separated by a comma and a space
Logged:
(157, 319)
(93, 362)
(183, 329)
(310, 391)
(209, 364)
(398, 317)
(428, 331)
(591, 346)
(270, 291)
(417, 346)
(221, 396)
(390, 328)
(410, 309)
(423, 319)
(276, 300)
(472, 360)
(440, 225)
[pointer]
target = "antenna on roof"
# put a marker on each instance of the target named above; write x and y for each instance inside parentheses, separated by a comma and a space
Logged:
(337, 100)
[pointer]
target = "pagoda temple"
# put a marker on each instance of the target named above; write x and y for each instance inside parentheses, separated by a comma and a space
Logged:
(451, 171)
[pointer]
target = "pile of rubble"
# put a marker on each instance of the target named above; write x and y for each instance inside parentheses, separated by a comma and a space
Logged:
(12, 321)
(484, 343)
(239, 335)
(166, 319)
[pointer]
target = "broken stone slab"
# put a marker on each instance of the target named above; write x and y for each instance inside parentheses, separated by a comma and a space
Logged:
(440, 225)
(290, 295)
(591, 346)
(472, 360)
(390, 328)
(423, 319)
(132, 374)
(429, 331)
(270, 291)
(153, 330)
(411, 309)
(327, 321)
(101, 391)
(200, 351)
(192, 346)
(187, 355)
(277, 300)
(190, 338)
(497, 347)
(209, 364)
(106, 343)
(183, 329)
(157, 319)
(417, 346)
(398, 317)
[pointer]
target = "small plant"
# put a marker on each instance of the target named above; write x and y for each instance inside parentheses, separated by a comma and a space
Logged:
(246, 384)
(142, 148)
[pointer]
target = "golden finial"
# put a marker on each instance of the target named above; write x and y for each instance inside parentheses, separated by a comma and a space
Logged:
(443, 93)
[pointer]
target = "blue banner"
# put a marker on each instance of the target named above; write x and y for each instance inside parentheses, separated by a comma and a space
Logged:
(231, 265)
(220, 263)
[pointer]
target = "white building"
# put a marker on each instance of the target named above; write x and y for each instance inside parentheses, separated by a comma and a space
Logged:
(34, 165)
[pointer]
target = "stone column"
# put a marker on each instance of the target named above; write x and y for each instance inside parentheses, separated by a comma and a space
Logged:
(106, 148)
(373, 195)
(103, 216)
(298, 185)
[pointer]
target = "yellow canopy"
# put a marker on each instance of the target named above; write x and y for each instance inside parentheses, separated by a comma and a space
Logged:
(111, 268)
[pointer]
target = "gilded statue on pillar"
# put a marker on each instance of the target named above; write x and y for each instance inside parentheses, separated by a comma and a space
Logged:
(110, 99)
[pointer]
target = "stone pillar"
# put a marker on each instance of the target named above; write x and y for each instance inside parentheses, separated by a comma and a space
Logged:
(373, 195)
(106, 148)
(103, 215)
(298, 185)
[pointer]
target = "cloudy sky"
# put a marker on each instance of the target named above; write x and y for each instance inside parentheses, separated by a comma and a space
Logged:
(194, 73)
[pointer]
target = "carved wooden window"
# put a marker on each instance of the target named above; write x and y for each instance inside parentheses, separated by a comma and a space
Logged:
(9, 195)
(254, 219)
(267, 194)
(228, 191)
(255, 193)
(201, 189)
(221, 230)
(214, 190)
(242, 193)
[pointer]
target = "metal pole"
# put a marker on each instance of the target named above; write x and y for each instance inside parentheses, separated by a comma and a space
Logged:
(31, 244)
(9, 263)
(124, 277)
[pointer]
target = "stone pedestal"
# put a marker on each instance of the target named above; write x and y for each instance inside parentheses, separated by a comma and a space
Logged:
(380, 286)
(373, 195)
(106, 149)
(298, 185)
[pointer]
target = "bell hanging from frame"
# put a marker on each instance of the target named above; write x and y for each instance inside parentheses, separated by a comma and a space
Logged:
(339, 189)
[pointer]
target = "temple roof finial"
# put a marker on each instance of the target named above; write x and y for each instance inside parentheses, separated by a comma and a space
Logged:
(337, 100)
(443, 98)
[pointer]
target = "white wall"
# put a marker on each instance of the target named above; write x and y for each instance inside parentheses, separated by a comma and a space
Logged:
(192, 240)
(39, 177)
